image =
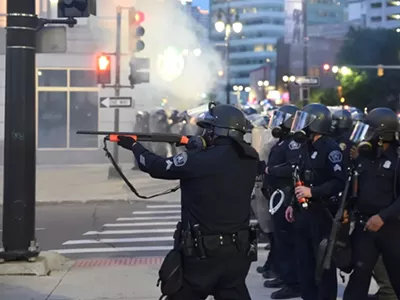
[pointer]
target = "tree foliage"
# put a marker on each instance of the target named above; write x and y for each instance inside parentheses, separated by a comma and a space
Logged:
(370, 47)
(328, 97)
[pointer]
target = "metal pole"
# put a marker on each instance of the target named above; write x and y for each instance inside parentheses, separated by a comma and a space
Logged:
(112, 172)
(228, 86)
(305, 44)
(19, 184)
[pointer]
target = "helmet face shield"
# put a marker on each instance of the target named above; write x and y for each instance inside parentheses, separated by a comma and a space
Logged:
(277, 119)
(301, 121)
(362, 132)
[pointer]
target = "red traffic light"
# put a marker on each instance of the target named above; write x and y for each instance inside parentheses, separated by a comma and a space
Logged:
(139, 17)
(103, 62)
(326, 67)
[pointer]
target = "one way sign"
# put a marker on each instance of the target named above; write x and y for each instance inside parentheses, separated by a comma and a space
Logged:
(116, 102)
(307, 81)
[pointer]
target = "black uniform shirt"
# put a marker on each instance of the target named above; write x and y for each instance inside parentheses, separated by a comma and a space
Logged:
(284, 154)
(376, 184)
(322, 168)
(216, 183)
(344, 143)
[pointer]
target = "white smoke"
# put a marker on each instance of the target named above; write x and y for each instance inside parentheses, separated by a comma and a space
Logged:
(168, 29)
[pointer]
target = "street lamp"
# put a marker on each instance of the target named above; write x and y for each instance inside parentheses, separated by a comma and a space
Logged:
(226, 21)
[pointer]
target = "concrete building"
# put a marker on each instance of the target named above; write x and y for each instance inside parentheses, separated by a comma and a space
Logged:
(67, 97)
(375, 13)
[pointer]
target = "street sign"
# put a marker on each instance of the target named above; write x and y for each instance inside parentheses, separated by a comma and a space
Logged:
(307, 80)
(116, 102)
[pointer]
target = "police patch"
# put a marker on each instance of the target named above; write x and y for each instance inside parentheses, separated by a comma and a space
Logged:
(180, 159)
(342, 146)
(335, 156)
(294, 146)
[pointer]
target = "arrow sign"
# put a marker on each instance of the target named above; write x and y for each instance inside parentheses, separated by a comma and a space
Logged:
(307, 80)
(116, 102)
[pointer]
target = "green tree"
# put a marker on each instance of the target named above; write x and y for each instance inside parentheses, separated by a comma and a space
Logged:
(329, 97)
(373, 47)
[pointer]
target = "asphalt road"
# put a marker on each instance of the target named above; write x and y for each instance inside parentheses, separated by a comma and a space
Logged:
(139, 229)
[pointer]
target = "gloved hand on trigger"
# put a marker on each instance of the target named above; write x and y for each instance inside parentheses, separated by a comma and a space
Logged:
(196, 142)
(126, 142)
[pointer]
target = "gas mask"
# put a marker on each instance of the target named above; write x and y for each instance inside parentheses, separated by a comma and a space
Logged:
(368, 142)
(299, 129)
(275, 124)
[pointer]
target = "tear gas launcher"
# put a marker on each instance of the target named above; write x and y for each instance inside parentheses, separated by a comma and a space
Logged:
(112, 136)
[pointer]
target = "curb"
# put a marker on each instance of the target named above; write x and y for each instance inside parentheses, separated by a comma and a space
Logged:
(109, 262)
(101, 201)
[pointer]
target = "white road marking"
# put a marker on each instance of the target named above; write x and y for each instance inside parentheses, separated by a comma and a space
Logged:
(37, 229)
(138, 231)
(157, 212)
(164, 206)
(119, 241)
(149, 218)
(118, 249)
(140, 224)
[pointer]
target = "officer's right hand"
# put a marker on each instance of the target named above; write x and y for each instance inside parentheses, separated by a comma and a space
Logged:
(289, 215)
(354, 152)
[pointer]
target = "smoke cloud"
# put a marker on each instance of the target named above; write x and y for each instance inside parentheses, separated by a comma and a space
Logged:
(179, 71)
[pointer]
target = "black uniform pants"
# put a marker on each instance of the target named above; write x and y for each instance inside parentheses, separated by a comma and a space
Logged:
(367, 246)
(285, 249)
(222, 276)
(311, 227)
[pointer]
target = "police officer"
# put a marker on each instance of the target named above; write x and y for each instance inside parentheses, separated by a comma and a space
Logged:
(320, 177)
(377, 229)
(342, 125)
(216, 186)
(279, 179)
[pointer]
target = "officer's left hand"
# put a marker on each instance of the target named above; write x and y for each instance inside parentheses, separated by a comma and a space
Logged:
(126, 142)
(302, 192)
(374, 223)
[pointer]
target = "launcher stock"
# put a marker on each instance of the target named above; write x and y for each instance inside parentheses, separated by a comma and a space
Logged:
(112, 136)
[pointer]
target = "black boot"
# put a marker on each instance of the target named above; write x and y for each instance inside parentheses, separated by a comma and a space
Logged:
(269, 274)
(273, 284)
(286, 293)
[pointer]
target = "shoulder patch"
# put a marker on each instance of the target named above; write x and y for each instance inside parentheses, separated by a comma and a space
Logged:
(294, 146)
(180, 159)
(343, 146)
(335, 156)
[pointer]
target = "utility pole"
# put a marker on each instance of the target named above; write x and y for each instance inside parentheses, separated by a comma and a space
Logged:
(305, 51)
(19, 188)
(112, 172)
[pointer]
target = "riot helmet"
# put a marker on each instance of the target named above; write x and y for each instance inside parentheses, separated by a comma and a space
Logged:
(342, 120)
(281, 120)
(223, 120)
(313, 119)
(380, 126)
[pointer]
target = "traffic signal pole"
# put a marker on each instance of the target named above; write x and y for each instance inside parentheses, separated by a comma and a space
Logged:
(112, 172)
(19, 185)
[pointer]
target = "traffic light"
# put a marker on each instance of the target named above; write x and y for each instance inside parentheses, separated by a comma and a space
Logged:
(136, 30)
(76, 8)
(380, 71)
(103, 69)
(139, 71)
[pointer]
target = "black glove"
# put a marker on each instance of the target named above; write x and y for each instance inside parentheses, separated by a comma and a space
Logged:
(196, 142)
(126, 142)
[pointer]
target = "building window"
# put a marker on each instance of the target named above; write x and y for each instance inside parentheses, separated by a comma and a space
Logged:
(56, 78)
(376, 5)
(393, 17)
(64, 109)
(270, 48)
(259, 48)
(376, 19)
(392, 3)
(52, 120)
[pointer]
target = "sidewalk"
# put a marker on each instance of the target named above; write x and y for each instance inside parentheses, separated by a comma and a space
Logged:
(89, 183)
(111, 279)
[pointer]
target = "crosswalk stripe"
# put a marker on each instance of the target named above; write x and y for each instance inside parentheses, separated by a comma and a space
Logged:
(141, 224)
(149, 218)
(118, 249)
(119, 241)
(164, 206)
(156, 212)
(134, 231)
